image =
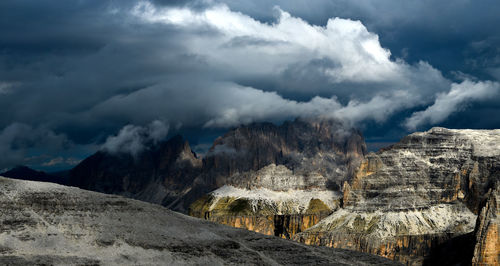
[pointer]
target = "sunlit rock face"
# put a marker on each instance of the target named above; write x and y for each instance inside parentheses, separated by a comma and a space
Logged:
(161, 174)
(279, 213)
(50, 224)
(487, 236)
(419, 194)
(437, 166)
(279, 180)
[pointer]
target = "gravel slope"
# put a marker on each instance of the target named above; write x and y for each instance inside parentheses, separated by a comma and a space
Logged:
(49, 224)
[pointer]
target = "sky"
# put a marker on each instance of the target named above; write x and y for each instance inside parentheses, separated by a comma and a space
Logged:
(80, 76)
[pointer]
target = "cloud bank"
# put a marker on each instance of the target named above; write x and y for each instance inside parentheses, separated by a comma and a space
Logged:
(134, 139)
(95, 72)
(453, 101)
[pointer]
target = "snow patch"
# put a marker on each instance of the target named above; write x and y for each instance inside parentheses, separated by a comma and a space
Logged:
(298, 200)
(441, 218)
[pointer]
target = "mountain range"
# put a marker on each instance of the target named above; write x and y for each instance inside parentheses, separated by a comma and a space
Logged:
(431, 198)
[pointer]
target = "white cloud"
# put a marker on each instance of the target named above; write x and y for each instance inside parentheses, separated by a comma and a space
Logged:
(453, 101)
(133, 139)
(357, 52)
(348, 57)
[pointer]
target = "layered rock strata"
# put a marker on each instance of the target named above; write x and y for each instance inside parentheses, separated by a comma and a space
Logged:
(487, 235)
(49, 224)
(279, 180)
(271, 212)
(414, 196)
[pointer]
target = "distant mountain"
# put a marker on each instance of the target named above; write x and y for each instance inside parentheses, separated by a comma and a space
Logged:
(278, 180)
(170, 174)
(160, 174)
(26, 173)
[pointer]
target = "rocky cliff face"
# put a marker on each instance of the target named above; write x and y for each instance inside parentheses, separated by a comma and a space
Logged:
(49, 224)
(162, 174)
(279, 180)
(414, 196)
(487, 235)
(424, 169)
(323, 147)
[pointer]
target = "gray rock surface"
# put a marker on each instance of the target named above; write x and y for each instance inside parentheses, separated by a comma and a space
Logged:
(278, 180)
(318, 153)
(322, 150)
(487, 232)
(414, 196)
(428, 168)
(49, 224)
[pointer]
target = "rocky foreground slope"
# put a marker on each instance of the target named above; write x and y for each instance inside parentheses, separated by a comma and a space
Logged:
(278, 180)
(49, 224)
(416, 197)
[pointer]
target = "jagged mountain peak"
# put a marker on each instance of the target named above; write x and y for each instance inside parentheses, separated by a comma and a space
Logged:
(159, 174)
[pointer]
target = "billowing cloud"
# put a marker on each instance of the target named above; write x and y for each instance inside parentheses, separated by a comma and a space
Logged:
(453, 101)
(86, 70)
(343, 53)
(134, 139)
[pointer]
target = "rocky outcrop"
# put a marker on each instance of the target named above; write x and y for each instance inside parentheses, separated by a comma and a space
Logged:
(279, 213)
(487, 236)
(406, 236)
(279, 180)
(161, 174)
(321, 146)
(50, 224)
(417, 195)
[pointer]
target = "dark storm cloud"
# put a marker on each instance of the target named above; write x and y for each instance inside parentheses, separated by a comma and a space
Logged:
(444, 33)
(81, 71)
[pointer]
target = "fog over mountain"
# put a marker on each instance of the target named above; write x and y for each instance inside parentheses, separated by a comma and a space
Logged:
(81, 76)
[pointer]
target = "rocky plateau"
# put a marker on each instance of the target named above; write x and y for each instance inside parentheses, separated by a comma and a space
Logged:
(48, 224)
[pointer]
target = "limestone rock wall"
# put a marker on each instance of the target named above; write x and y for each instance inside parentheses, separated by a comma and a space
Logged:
(438, 166)
(419, 194)
(487, 235)
(279, 180)
(277, 213)
(316, 147)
